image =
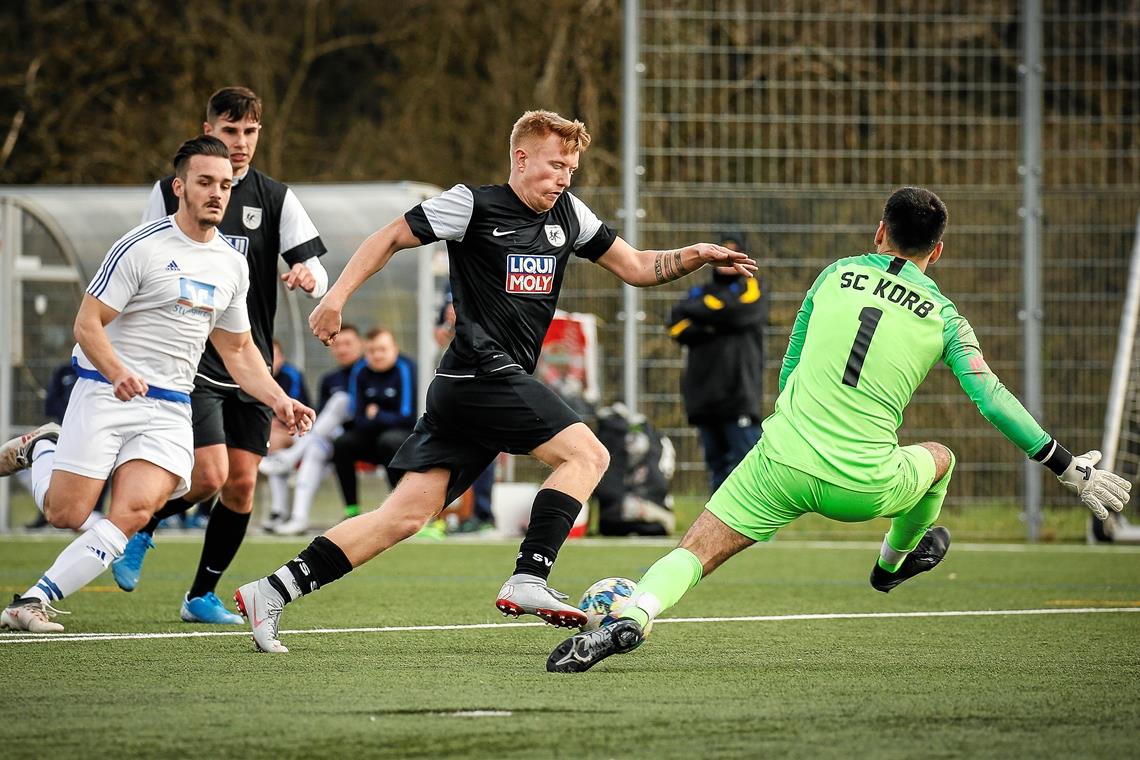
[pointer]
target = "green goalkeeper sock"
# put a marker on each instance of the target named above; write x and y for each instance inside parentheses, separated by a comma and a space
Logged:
(664, 584)
(908, 528)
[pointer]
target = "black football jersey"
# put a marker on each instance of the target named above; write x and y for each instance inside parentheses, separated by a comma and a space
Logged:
(263, 220)
(507, 263)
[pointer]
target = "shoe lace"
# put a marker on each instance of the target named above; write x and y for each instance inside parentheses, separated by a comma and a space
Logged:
(44, 611)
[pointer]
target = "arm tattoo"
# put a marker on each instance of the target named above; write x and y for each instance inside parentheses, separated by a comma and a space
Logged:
(667, 266)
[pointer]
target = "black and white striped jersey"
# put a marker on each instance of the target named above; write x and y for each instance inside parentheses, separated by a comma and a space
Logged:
(507, 263)
(263, 220)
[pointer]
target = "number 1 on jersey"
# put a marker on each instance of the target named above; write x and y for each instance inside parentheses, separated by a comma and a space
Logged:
(868, 322)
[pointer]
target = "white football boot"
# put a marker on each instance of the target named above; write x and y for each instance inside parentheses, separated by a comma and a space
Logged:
(522, 596)
(30, 614)
(261, 605)
(15, 455)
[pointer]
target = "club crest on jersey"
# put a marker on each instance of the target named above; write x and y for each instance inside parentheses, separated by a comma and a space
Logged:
(530, 274)
(251, 217)
(555, 235)
(195, 295)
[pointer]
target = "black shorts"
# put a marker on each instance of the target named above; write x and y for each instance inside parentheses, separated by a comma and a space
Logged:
(230, 416)
(470, 420)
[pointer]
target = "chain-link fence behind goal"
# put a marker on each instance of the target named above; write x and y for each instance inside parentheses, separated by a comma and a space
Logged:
(791, 122)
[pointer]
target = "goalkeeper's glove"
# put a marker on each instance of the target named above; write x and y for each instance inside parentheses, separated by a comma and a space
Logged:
(1099, 490)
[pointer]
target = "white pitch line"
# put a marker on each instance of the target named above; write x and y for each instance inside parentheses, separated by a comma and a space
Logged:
(180, 536)
(40, 638)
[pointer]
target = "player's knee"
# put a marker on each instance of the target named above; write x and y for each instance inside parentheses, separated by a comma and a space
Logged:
(208, 480)
(597, 457)
(238, 490)
(943, 459)
(60, 514)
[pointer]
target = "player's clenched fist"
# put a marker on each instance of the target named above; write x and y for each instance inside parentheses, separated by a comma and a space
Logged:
(325, 322)
(128, 386)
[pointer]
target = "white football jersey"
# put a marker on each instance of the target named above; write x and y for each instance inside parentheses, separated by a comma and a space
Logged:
(170, 292)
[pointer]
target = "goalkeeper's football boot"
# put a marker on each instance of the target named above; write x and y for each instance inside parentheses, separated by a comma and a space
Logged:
(929, 552)
(16, 454)
(521, 597)
(127, 568)
(261, 605)
(583, 651)
(30, 614)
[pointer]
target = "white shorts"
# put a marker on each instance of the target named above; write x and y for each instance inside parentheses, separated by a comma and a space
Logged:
(100, 433)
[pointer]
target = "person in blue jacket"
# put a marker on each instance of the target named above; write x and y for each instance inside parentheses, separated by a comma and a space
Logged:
(382, 399)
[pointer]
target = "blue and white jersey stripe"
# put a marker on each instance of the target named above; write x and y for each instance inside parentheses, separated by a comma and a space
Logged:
(103, 276)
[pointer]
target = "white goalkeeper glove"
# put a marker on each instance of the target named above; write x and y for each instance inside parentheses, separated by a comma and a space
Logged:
(1099, 490)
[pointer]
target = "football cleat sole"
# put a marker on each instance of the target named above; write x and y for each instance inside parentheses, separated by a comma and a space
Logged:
(557, 618)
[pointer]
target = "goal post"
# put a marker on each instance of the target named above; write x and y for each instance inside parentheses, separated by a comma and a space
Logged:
(1121, 444)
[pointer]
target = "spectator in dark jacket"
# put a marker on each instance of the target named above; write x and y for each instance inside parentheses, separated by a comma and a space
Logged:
(722, 324)
(382, 395)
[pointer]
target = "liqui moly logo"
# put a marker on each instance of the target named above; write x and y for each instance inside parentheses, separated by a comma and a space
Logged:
(530, 274)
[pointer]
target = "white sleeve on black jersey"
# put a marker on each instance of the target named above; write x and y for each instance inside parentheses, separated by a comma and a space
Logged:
(449, 213)
(155, 207)
(588, 221)
(299, 235)
(594, 238)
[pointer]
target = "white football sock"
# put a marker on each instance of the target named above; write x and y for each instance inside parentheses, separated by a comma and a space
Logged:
(309, 476)
(43, 457)
(81, 562)
(279, 494)
(89, 523)
(331, 417)
(891, 556)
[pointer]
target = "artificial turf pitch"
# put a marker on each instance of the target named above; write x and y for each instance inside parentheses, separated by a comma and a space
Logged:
(1017, 685)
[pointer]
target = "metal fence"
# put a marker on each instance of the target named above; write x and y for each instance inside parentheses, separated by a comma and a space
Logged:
(792, 121)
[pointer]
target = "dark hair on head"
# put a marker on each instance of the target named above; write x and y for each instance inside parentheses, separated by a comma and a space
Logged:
(349, 328)
(202, 145)
(234, 103)
(376, 332)
(915, 219)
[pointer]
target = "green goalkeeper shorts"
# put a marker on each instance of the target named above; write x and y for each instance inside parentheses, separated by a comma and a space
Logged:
(761, 495)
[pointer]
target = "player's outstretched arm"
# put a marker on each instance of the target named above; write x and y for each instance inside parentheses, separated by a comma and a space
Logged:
(372, 255)
(91, 335)
(1099, 490)
(647, 268)
(244, 363)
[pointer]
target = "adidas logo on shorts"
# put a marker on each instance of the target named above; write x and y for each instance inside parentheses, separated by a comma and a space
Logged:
(172, 267)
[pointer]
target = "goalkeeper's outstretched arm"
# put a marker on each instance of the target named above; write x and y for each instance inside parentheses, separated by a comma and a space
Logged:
(1099, 490)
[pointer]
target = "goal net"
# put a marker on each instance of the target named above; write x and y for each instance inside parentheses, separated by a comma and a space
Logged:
(1121, 445)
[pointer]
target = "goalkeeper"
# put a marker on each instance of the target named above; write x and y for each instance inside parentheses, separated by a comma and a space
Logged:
(870, 329)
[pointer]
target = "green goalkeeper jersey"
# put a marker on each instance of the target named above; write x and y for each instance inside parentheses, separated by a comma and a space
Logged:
(870, 329)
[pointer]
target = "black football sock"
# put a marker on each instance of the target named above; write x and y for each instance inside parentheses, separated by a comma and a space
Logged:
(319, 564)
(551, 518)
(169, 509)
(224, 534)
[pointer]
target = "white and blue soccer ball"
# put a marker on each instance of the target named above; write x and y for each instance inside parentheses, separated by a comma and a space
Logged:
(604, 601)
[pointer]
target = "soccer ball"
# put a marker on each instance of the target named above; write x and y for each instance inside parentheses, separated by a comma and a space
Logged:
(604, 601)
